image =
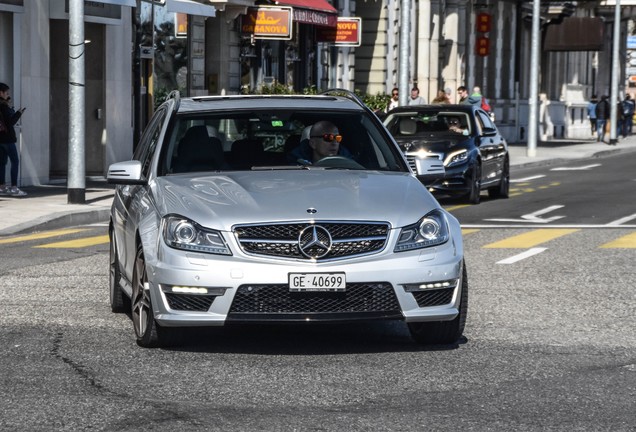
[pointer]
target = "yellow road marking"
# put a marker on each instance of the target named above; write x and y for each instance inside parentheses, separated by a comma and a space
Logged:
(531, 239)
(625, 242)
(83, 242)
(469, 230)
(38, 236)
(451, 208)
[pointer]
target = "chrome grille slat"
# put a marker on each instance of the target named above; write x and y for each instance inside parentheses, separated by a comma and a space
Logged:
(281, 240)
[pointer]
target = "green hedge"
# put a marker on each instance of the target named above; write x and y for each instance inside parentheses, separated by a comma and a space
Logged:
(376, 102)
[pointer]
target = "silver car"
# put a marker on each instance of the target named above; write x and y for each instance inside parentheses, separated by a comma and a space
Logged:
(228, 214)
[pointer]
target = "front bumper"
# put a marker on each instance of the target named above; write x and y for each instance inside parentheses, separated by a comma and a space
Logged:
(243, 288)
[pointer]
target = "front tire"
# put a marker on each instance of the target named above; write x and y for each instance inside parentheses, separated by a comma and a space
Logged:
(443, 332)
(474, 196)
(149, 334)
(502, 190)
(118, 300)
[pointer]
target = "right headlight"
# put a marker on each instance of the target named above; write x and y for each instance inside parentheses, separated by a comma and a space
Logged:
(456, 158)
(431, 230)
(182, 233)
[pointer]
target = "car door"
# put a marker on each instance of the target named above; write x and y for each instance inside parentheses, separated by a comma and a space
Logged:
(492, 147)
(128, 197)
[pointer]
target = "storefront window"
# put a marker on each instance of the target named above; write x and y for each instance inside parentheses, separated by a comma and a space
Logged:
(167, 33)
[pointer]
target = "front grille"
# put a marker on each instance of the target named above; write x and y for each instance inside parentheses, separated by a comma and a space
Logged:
(368, 297)
(189, 302)
(434, 165)
(434, 297)
(282, 240)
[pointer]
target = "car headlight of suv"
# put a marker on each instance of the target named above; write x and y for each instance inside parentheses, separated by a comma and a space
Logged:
(182, 233)
(456, 158)
(431, 230)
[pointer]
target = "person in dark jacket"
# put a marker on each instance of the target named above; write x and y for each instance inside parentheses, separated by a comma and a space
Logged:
(8, 139)
(602, 115)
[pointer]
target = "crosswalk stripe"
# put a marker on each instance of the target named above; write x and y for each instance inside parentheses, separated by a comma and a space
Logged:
(39, 236)
(530, 239)
(625, 242)
(82, 242)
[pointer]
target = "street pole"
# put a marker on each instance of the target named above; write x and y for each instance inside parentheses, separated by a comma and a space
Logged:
(76, 188)
(615, 73)
(403, 77)
(533, 102)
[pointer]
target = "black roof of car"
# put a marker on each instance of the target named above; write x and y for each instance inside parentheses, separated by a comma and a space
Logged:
(434, 107)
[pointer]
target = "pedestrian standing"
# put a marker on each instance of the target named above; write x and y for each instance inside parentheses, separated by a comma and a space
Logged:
(462, 92)
(591, 113)
(602, 115)
(415, 98)
(475, 98)
(9, 117)
(619, 117)
(448, 92)
(628, 115)
(441, 98)
(394, 102)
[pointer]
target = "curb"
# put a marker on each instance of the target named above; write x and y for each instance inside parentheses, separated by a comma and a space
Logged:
(60, 220)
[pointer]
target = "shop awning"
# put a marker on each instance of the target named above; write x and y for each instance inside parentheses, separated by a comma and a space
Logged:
(316, 12)
(131, 3)
(190, 7)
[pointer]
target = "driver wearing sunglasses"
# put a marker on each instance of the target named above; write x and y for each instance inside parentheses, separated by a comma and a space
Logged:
(324, 140)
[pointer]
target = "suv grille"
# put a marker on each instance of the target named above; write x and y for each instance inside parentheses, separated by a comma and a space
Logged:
(369, 297)
(283, 240)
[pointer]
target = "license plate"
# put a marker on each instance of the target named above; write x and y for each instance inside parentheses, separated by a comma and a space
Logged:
(317, 282)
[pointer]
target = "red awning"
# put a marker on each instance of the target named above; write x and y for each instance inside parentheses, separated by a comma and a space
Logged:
(316, 12)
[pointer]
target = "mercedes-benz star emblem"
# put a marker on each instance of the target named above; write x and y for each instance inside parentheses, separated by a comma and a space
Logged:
(314, 241)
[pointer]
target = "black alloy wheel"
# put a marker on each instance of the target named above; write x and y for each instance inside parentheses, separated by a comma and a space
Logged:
(502, 190)
(474, 196)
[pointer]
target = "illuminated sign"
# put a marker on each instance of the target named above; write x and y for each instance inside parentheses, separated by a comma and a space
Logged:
(348, 32)
(268, 22)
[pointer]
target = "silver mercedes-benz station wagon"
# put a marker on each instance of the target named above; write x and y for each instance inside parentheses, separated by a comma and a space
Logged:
(279, 208)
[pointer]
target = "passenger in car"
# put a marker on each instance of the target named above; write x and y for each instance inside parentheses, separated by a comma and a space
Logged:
(323, 140)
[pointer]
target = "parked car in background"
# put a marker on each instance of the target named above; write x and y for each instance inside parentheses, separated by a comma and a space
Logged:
(225, 216)
(461, 140)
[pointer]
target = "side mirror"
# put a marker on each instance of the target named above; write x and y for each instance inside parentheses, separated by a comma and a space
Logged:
(128, 172)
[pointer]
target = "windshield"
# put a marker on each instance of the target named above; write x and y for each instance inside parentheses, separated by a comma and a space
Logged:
(277, 139)
(428, 124)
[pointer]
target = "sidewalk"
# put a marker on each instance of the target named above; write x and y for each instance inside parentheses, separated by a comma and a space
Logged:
(46, 207)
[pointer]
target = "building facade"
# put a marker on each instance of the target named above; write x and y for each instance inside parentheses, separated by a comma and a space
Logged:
(137, 51)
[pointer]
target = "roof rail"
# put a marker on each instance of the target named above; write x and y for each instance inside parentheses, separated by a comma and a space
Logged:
(345, 93)
(174, 94)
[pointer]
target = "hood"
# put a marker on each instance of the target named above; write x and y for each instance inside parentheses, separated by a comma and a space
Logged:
(435, 144)
(224, 200)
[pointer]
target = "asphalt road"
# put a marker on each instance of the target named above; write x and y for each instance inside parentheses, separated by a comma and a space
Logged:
(549, 345)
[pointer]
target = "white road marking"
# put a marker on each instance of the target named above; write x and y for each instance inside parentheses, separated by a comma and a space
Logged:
(622, 220)
(534, 217)
(521, 256)
(525, 179)
(581, 168)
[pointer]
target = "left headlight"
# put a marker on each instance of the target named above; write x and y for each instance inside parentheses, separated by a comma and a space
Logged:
(431, 230)
(182, 233)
